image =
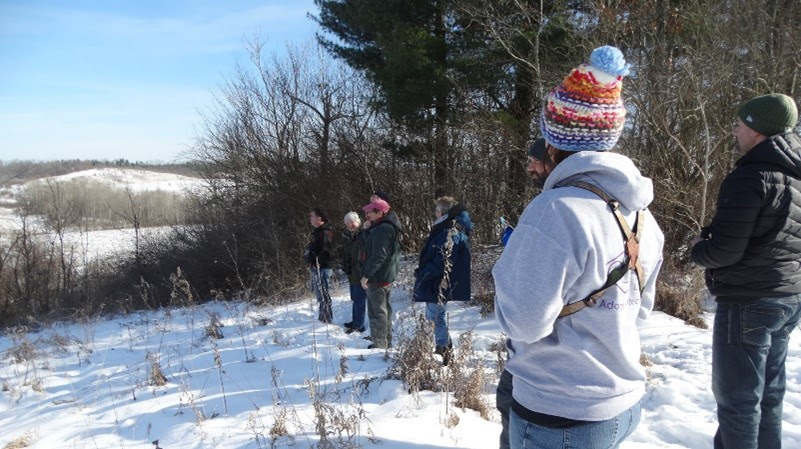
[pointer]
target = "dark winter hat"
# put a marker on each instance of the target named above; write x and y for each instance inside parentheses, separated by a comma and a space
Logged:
(381, 194)
(769, 114)
(537, 149)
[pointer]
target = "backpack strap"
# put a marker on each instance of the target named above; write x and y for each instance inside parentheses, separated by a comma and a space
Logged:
(632, 251)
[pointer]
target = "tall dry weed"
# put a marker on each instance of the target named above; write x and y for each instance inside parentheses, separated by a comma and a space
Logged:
(416, 365)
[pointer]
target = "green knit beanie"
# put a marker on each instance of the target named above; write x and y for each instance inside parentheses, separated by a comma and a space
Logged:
(769, 114)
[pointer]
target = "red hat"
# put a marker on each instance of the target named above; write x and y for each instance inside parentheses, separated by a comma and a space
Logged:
(378, 204)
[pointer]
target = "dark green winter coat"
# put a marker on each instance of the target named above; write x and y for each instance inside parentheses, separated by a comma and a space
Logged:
(381, 254)
(352, 246)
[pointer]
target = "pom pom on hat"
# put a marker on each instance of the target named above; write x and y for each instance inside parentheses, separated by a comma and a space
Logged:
(585, 112)
(610, 60)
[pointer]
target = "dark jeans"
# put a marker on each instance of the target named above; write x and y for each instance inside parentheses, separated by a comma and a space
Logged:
(359, 297)
(749, 347)
(320, 281)
(503, 402)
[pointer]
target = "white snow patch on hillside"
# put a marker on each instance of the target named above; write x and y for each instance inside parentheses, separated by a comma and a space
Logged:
(135, 180)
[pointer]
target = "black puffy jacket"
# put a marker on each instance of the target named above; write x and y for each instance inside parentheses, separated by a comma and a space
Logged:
(754, 249)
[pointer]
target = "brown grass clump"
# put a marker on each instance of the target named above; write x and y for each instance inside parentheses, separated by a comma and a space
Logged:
(416, 365)
(279, 427)
(156, 377)
(681, 297)
(467, 378)
(20, 443)
(213, 329)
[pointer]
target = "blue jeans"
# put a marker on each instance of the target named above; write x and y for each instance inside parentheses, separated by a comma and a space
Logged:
(320, 281)
(596, 435)
(436, 312)
(359, 297)
(749, 347)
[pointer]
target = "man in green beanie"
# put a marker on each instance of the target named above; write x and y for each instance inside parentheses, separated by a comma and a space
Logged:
(751, 253)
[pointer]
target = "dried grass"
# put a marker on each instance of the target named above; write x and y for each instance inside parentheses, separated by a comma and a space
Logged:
(467, 378)
(416, 365)
(156, 377)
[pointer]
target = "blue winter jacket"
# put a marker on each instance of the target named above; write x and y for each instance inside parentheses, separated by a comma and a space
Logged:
(431, 267)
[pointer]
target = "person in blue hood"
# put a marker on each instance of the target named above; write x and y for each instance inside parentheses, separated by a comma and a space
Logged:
(435, 282)
(569, 290)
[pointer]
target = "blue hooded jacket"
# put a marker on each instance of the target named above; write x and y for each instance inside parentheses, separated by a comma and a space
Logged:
(431, 268)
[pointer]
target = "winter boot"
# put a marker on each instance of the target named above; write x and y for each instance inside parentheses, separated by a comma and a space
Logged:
(446, 352)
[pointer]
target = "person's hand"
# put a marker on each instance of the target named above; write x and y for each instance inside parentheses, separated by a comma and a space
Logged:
(364, 283)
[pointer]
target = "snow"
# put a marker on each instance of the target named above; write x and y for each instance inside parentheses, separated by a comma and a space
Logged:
(87, 386)
(100, 243)
(135, 180)
(87, 245)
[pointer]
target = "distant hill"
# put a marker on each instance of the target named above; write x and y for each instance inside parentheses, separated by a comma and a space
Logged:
(135, 179)
(20, 172)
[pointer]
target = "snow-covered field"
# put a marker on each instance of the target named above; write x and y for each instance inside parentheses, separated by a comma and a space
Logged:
(87, 385)
(135, 180)
(102, 243)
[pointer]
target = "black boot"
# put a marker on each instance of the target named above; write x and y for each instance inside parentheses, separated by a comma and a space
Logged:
(446, 352)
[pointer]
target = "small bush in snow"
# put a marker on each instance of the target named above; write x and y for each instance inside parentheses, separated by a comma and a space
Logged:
(416, 365)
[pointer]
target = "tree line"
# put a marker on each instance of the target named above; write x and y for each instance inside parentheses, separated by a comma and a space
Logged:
(421, 98)
(424, 97)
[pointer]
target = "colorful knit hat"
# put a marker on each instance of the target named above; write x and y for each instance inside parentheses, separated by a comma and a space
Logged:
(585, 112)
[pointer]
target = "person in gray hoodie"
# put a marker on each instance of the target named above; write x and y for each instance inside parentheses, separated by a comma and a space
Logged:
(576, 370)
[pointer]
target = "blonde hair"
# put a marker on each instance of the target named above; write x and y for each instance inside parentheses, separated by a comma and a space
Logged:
(444, 204)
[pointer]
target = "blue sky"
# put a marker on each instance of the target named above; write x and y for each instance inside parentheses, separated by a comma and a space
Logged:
(109, 79)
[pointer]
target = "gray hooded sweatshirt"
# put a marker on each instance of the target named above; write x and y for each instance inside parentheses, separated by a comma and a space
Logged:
(584, 366)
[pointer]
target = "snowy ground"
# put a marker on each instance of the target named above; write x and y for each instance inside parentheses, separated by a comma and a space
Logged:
(103, 243)
(133, 179)
(86, 385)
(86, 245)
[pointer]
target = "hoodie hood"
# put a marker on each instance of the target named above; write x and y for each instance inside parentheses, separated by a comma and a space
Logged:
(459, 214)
(614, 173)
(391, 218)
(463, 219)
